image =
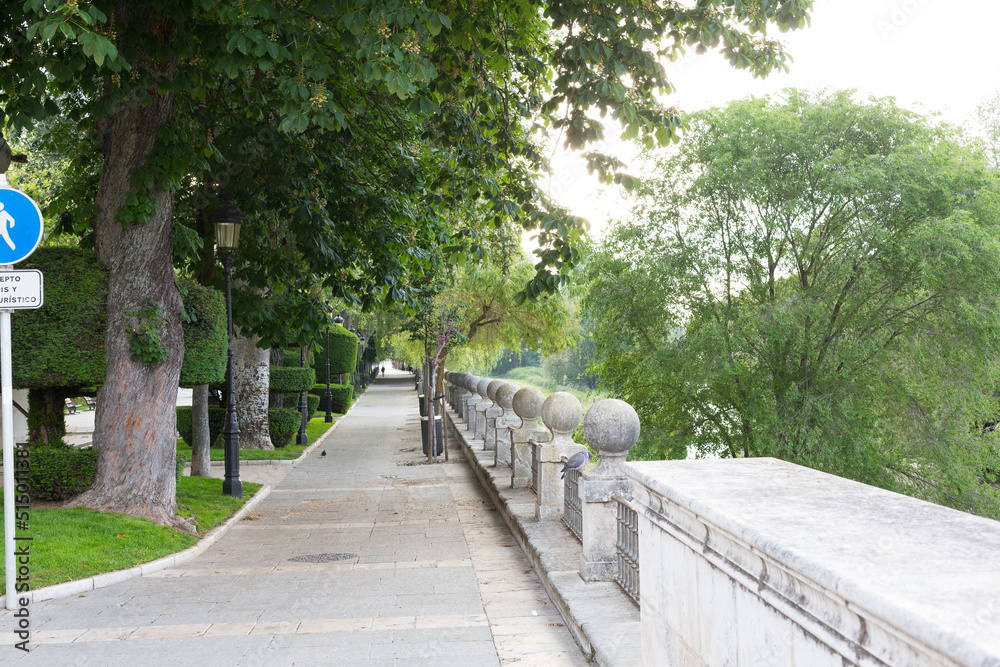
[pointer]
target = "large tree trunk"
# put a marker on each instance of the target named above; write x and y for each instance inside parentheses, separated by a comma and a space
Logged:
(135, 428)
(201, 458)
(251, 377)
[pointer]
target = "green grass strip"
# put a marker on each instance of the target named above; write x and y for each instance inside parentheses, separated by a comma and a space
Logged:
(70, 544)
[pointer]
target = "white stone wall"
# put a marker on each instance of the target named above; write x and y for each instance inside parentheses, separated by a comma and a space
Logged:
(761, 562)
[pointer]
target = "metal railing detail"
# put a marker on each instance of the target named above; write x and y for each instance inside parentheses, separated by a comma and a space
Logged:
(572, 507)
(627, 547)
(534, 469)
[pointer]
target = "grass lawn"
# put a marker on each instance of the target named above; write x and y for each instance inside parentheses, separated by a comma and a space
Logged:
(69, 544)
(314, 429)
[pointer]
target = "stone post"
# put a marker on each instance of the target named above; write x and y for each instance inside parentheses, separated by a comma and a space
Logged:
(505, 424)
(481, 407)
(611, 428)
(527, 405)
(561, 413)
(471, 401)
(459, 393)
(492, 412)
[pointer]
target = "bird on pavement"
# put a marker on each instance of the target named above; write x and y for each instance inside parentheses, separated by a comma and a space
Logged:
(576, 462)
(322, 453)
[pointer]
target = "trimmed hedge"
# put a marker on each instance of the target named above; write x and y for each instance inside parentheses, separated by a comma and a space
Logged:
(343, 352)
(205, 341)
(59, 471)
(61, 344)
(276, 420)
(312, 403)
(287, 380)
(283, 423)
(341, 395)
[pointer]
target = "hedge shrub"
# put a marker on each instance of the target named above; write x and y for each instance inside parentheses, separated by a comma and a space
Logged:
(341, 395)
(343, 352)
(59, 471)
(206, 344)
(291, 380)
(312, 403)
(283, 423)
(61, 344)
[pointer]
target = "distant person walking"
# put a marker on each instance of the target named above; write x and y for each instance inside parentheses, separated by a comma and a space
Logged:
(383, 370)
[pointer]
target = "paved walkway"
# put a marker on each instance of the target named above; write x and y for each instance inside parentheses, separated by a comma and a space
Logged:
(363, 557)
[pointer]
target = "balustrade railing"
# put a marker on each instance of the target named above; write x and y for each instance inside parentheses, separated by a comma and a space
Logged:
(627, 548)
(572, 507)
(535, 468)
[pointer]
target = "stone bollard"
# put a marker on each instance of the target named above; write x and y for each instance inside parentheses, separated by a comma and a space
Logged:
(505, 424)
(492, 412)
(611, 428)
(561, 413)
(481, 407)
(472, 399)
(527, 406)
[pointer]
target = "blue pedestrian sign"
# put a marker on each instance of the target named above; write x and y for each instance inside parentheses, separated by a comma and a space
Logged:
(21, 226)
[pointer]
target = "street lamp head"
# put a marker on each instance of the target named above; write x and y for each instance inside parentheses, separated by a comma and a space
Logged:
(339, 321)
(227, 219)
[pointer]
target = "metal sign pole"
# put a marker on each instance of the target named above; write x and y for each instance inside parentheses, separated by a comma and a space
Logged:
(7, 415)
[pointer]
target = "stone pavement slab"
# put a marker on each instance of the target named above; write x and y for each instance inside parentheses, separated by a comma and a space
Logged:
(367, 556)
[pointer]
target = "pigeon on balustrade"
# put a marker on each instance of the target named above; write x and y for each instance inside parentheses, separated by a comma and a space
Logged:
(576, 462)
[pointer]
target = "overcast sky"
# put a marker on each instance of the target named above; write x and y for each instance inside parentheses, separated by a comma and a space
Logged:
(932, 55)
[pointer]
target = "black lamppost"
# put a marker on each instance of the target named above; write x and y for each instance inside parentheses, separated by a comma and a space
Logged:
(354, 373)
(303, 437)
(339, 321)
(227, 219)
(362, 377)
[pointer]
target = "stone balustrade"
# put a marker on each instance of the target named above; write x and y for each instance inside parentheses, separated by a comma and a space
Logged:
(743, 562)
(561, 414)
(527, 404)
(484, 404)
(762, 562)
(492, 412)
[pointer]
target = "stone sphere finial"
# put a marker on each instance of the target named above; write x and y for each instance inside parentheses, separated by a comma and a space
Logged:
(492, 388)
(611, 428)
(470, 383)
(482, 386)
(561, 413)
(505, 396)
(527, 403)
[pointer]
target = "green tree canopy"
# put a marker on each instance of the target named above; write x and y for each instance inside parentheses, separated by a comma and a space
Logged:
(812, 278)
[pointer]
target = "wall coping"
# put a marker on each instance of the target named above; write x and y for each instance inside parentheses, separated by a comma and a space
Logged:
(888, 575)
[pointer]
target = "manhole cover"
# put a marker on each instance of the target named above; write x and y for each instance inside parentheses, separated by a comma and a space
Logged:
(322, 558)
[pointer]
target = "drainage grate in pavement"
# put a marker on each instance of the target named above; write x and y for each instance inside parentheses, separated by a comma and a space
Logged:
(322, 558)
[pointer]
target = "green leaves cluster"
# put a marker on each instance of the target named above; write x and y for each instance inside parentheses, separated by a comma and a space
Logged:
(813, 278)
(145, 342)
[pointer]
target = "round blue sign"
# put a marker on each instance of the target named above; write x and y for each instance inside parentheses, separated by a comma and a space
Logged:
(21, 226)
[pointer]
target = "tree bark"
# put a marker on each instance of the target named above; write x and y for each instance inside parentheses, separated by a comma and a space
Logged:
(135, 427)
(201, 459)
(251, 377)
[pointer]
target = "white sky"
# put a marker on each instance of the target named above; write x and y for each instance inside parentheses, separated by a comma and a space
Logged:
(931, 55)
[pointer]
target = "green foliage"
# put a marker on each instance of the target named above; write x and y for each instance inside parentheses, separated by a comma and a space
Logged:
(340, 397)
(287, 380)
(312, 402)
(145, 342)
(180, 462)
(343, 353)
(812, 278)
(216, 423)
(61, 344)
(283, 424)
(205, 341)
(59, 471)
